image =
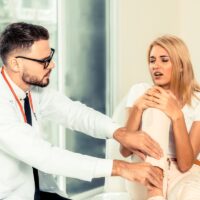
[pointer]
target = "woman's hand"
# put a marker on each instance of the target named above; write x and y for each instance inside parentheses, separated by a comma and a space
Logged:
(165, 101)
(144, 101)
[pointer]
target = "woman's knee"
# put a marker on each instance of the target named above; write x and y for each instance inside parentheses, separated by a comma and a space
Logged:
(188, 189)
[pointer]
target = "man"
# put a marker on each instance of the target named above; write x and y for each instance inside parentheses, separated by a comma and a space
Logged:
(24, 154)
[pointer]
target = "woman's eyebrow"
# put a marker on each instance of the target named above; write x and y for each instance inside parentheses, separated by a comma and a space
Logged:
(164, 56)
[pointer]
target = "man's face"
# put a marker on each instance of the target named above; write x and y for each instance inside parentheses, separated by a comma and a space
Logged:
(35, 73)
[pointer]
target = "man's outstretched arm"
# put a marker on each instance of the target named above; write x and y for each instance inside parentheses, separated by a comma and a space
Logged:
(138, 141)
(143, 173)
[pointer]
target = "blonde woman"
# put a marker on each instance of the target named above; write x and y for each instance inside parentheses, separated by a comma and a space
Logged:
(176, 94)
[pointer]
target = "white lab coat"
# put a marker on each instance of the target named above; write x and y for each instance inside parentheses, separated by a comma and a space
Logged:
(22, 146)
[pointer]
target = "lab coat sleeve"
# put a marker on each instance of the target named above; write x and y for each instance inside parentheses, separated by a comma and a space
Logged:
(75, 115)
(19, 140)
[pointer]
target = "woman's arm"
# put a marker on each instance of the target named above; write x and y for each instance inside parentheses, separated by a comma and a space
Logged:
(132, 124)
(184, 150)
(187, 146)
(134, 120)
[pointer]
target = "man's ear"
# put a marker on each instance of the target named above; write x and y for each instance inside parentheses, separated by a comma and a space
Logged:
(15, 64)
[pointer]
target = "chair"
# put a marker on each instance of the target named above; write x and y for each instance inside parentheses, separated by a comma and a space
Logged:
(116, 184)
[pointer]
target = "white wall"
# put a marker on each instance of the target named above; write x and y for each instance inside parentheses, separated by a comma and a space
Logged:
(139, 22)
(190, 30)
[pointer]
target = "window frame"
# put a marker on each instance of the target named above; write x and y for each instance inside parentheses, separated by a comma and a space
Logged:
(111, 75)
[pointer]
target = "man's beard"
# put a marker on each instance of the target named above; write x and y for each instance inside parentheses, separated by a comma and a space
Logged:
(33, 80)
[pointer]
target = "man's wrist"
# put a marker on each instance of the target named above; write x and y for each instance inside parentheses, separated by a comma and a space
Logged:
(119, 134)
(118, 166)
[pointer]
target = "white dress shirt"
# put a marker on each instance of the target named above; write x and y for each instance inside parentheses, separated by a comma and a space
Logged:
(22, 146)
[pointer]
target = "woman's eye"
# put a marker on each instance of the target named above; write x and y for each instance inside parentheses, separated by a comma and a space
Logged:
(152, 61)
(165, 60)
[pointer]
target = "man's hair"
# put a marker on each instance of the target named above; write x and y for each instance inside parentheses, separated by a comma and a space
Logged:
(20, 36)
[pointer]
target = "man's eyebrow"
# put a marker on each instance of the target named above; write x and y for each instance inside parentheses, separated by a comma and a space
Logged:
(46, 57)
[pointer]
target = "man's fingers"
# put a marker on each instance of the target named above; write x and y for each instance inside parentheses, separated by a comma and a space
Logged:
(140, 154)
(144, 144)
(151, 152)
(155, 147)
(152, 148)
(147, 145)
(155, 178)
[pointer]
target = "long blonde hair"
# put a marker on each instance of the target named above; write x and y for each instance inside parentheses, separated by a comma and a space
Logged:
(183, 83)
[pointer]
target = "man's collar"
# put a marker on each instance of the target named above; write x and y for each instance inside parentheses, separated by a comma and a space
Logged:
(19, 92)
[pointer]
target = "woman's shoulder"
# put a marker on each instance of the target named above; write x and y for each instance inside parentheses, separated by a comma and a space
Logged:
(140, 87)
(197, 94)
(196, 99)
(194, 107)
(136, 91)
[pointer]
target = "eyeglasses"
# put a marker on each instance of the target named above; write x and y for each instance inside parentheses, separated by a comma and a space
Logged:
(44, 61)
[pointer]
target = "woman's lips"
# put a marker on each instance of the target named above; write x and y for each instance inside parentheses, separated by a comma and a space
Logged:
(157, 75)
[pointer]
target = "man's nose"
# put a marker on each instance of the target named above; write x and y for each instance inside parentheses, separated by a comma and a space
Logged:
(51, 65)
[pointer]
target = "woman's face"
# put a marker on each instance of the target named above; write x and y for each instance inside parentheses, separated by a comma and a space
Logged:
(160, 67)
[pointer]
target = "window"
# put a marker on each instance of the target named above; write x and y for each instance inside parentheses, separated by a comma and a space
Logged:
(43, 13)
(85, 74)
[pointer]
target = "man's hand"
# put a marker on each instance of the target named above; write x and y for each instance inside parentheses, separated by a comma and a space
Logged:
(138, 141)
(140, 154)
(143, 173)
